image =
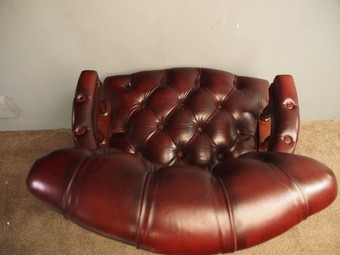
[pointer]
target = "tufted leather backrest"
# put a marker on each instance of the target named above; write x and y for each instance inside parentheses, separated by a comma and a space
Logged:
(185, 115)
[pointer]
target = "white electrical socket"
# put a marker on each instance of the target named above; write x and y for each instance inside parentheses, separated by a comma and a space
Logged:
(8, 109)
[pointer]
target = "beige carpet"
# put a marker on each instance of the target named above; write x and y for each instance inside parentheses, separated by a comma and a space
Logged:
(29, 227)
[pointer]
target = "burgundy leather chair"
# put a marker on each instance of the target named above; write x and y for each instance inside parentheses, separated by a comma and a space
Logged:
(184, 160)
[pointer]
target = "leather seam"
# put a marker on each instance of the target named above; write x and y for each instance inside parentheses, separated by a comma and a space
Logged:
(230, 213)
(199, 76)
(140, 232)
(297, 188)
(69, 196)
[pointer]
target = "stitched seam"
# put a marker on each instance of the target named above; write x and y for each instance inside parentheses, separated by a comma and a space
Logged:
(69, 194)
(230, 91)
(297, 187)
(230, 213)
(140, 232)
(198, 78)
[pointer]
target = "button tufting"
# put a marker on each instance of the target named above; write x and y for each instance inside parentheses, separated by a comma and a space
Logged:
(200, 130)
(221, 156)
(181, 106)
(160, 126)
(80, 98)
(179, 154)
(287, 139)
(144, 102)
(79, 130)
(290, 105)
(220, 107)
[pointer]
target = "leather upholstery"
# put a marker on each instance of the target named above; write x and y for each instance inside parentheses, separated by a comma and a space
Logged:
(102, 118)
(184, 161)
(195, 116)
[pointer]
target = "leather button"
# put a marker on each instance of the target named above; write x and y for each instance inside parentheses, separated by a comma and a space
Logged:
(290, 105)
(79, 131)
(220, 156)
(160, 126)
(181, 106)
(287, 139)
(80, 98)
(179, 154)
(220, 107)
(200, 130)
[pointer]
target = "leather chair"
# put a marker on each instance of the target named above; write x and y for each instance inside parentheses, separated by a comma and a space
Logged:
(184, 161)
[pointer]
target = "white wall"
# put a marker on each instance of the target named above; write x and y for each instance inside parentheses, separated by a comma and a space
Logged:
(46, 43)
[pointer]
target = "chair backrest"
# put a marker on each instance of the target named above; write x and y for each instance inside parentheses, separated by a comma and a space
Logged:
(190, 116)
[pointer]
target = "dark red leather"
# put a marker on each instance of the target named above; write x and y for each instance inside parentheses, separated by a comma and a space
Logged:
(285, 114)
(169, 161)
(85, 114)
(194, 116)
(183, 209)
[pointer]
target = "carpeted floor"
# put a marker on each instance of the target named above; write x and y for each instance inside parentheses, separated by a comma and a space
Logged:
(30, 227)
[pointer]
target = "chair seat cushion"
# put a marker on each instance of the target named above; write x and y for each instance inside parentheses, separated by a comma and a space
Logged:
(183, 209)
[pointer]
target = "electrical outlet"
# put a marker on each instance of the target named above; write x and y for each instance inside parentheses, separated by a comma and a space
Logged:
(8, 109)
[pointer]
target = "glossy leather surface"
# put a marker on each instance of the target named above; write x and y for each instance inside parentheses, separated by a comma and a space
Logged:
(183, 209)
(184, 161)
(194, 116)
